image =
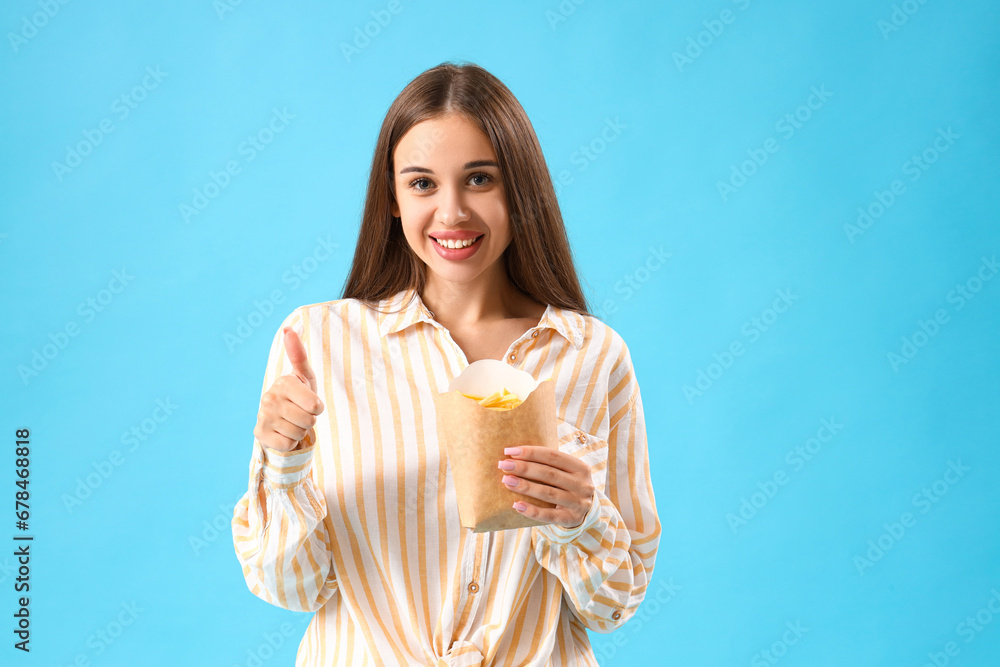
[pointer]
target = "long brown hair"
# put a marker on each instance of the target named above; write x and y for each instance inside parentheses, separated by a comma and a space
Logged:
(538, 259)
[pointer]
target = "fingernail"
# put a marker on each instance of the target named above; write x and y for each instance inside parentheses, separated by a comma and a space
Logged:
(509, 481)
(520, 507)
(506, 465)
(512, 451)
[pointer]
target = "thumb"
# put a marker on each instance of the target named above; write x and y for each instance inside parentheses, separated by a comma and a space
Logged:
(297, 355)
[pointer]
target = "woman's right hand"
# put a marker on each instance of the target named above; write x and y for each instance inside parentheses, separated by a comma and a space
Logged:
(288, 410)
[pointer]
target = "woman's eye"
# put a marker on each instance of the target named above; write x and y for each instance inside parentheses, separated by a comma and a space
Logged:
(422, 184)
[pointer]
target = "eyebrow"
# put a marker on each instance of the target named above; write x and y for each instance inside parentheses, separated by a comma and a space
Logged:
(468, 165)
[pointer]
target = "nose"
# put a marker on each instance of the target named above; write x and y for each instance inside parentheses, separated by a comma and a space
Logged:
(452, 208)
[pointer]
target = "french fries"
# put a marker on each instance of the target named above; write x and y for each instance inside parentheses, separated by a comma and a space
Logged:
(498, 400)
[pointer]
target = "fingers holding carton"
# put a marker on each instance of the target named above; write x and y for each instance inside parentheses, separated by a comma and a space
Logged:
(491, 406)
(552, 476)
(545, 474)
(289, 408)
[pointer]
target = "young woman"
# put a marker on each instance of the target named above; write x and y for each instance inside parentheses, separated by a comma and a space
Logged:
(351, 512)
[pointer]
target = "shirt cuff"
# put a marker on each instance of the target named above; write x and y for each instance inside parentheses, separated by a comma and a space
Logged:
(283, 470)
(560, 535)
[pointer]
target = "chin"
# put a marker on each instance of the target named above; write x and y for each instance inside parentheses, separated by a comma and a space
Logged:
(455, 275)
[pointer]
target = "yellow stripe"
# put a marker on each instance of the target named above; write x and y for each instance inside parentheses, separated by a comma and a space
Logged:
(280, 562)
(296, 567)
(597, 364)
(492, 591)
(381, 516)
(571, 387)
(421, 485)
(633, 489)
(401, 508)
(357, 566)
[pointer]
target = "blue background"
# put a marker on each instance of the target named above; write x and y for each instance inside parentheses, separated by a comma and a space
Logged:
(694, 94)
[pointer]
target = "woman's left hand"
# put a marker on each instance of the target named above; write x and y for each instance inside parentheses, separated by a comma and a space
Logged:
(553, 476)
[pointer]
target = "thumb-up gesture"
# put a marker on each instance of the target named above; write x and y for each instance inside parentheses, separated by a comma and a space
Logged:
(290, 407)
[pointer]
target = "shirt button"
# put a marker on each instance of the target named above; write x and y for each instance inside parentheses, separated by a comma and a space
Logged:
(513, 356)
(581, 437)
(616, 615)
(473, 587)
(534, 334)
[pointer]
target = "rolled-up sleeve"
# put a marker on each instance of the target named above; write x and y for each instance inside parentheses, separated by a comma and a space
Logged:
(279, 529)
(606, 563)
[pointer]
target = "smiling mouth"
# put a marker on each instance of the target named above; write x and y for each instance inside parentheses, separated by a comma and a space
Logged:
(455, 244)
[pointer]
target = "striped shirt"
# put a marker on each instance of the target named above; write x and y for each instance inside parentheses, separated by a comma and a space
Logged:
(361, 526)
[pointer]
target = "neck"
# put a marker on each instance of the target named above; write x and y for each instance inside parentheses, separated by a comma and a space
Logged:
(487, 299)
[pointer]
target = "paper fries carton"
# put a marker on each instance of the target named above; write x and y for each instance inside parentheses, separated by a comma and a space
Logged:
(474, 438)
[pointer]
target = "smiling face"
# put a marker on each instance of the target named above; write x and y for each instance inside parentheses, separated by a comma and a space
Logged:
(450, 197)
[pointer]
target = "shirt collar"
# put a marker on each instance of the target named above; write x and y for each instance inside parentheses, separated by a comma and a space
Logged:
(402, 310)
(406, 309)
(570, 324)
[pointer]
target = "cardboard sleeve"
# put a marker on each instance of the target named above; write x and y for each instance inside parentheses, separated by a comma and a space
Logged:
(474, 438)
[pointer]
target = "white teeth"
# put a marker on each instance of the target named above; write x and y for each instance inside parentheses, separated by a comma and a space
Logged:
(454, 243)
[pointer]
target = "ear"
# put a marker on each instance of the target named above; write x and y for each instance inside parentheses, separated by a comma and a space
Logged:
(395, 209)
